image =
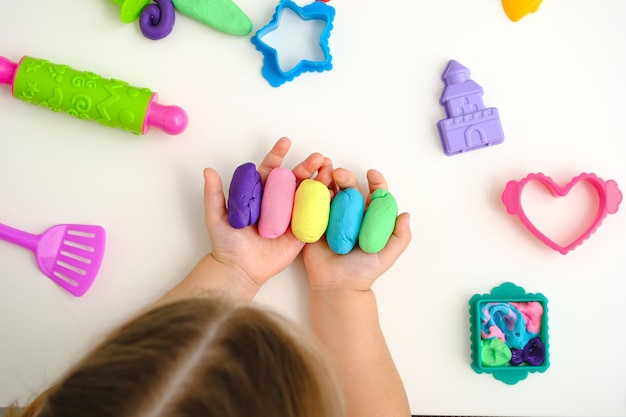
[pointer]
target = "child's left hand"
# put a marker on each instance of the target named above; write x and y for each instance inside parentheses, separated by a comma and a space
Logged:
(356, 270)
(241, 261)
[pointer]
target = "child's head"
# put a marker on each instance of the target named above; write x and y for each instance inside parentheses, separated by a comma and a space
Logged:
(198, 357)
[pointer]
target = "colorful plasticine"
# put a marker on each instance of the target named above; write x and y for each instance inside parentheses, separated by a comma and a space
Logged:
(130, 10)
(344, 223)
(244, 196)
(88, 96)
(517, 357)
(509, 330)
(494, 352)
(516, 9)
(277, 203)
(533, 314)
(378, 222)
(157, 20)
(510, 322)
(311, 210)
(222, 15)
(534, 352)
(492, 332)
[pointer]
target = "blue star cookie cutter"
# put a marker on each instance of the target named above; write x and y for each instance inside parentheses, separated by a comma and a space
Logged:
(271, 68)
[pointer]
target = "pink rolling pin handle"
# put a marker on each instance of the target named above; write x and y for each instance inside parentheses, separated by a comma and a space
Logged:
(7, 71)
(170, 119)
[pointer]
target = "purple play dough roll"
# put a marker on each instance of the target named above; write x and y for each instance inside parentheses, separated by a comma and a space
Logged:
(244, 196)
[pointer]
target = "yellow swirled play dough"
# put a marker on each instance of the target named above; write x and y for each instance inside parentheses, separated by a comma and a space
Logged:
(311, 209)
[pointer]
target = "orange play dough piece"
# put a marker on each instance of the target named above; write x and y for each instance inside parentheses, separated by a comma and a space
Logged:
(516, 9)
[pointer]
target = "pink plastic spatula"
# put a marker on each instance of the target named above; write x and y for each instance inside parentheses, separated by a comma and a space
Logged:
(69, 254)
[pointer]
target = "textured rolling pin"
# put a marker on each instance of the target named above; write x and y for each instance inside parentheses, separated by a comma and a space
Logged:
(88, 96)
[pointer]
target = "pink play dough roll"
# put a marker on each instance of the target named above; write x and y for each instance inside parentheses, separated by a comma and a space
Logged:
(311, 210)
(277, 203)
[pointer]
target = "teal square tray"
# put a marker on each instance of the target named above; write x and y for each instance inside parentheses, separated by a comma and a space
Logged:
(497, 357)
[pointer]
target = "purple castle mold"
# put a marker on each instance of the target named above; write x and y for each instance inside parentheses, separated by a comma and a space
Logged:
(469, 125)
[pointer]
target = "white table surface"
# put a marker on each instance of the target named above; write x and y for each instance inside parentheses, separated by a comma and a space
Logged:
(556, 77)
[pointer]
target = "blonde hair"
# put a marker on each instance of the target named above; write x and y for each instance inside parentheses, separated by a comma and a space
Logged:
(195, 358)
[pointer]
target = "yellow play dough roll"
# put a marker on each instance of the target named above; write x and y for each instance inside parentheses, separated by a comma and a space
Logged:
(311, 209)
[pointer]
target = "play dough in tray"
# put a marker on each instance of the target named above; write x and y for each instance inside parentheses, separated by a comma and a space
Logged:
(509, 333)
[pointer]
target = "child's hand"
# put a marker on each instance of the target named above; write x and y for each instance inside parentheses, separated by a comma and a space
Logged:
(356, 270)
(250, 256)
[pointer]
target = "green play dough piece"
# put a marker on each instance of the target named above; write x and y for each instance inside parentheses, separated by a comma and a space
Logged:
(222, 15)
(131, 9)
(494, 352)
(378, 222)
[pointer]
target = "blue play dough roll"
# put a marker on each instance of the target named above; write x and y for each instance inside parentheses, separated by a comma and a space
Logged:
(346, 214)
(244, 196)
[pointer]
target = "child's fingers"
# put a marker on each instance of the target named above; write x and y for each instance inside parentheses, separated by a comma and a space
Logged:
(307, 168)
(274, 157)
(375, 180)
(399, 240)
(345, 178)
(214, 200)
(325, 175)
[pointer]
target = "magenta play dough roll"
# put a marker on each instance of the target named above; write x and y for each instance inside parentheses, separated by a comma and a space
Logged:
(311, 210)
(277, 203)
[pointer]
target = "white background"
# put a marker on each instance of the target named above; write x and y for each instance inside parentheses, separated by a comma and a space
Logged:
(556, 77)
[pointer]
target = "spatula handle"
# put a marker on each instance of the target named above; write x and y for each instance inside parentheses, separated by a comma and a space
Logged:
(19, 237)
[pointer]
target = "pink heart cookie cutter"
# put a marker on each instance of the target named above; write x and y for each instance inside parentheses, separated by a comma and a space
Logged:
(609, 199)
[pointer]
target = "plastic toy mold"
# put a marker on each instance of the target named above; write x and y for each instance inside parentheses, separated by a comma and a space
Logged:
(469, 125)
(271, 67)
(509, 333)
(609, 199)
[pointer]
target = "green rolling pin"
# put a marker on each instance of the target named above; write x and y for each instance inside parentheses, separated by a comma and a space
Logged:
(88, 96)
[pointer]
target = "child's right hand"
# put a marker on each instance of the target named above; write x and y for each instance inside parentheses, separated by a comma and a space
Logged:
(253, 258)
(356, 270)
(241, 261)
